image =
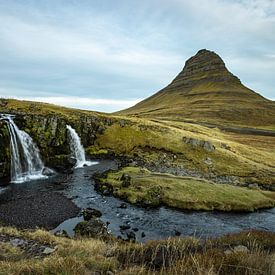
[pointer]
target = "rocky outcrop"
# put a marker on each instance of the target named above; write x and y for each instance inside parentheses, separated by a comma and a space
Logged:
(50, 134)
(206, 145)
(205, 66)
(4, 150)
(93, 228)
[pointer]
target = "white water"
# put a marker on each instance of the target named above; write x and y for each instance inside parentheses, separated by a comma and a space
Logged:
(26, 163)
(77, 149)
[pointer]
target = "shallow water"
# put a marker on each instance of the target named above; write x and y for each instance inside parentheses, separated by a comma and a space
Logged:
(155, 223)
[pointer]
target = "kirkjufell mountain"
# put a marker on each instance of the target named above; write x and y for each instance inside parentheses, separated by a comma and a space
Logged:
(206, 91)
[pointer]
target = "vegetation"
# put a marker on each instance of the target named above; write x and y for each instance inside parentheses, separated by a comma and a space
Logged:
(243, 253)
(205, 91)
(140, 186)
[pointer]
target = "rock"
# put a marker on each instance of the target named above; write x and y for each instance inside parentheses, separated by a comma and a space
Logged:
(110, 273)
(101, 130)
(131, 236)
(94, 228)
(61, 233)
(241, 248)
(126, 180)
(225, 146)
(135, 229)
(208, 161)
(47, 171)
(124, 227)
(123, 205)
(17, 242)
(253, 186)
(208, 146)
(48, 250)
(106, 192)
(228, 252)
(143, 235)
(72, 161)
(90, 213)
(177, 233)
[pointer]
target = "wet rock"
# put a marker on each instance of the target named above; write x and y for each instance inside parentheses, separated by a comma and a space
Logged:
(107, 192)
(94, 228)
(126, 180)
(61, 233)
(124, 227)
(131, 236)
(143, 235)
(103, 188)
(90, 213)
(123, 205)
(72, 161)
(47, 171)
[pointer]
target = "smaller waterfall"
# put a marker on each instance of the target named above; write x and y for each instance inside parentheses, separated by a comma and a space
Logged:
(77, 149)
(26, 163)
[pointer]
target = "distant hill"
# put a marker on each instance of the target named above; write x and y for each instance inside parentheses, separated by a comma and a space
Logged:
(205, 91)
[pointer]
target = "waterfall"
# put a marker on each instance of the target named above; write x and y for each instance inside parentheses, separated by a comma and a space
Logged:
(26, 163)
(77, 149)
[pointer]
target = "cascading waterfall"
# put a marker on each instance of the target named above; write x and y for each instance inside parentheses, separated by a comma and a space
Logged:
(77, 149)
(26, 163)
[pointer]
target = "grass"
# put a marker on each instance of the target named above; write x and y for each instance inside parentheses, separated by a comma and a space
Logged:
(207, 98)
(157, 140)
(171, 256)
(252, 162)
(155, 189)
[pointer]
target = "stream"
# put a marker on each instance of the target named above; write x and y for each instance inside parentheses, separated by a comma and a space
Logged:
(154, 223)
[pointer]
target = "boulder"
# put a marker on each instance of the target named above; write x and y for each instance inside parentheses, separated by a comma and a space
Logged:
(208, 146)
(125, 227)
(93, 228)
(90, 213)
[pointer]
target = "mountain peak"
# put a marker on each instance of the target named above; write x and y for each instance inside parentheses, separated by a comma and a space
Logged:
(206, 91)
(204, 66)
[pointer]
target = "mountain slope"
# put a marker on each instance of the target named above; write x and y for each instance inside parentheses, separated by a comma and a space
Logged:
(206, 91)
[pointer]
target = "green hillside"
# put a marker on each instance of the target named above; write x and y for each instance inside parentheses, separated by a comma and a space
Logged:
(205, 91)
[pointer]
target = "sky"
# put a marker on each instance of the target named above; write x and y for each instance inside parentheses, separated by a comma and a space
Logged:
(108, 55)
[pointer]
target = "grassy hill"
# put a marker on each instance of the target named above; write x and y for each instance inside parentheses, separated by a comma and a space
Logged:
(205, 91)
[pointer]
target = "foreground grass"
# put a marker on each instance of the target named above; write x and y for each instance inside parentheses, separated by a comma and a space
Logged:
(172, 256)
(140, 186)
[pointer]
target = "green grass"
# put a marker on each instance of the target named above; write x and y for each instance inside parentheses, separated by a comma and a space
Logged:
(155, 189)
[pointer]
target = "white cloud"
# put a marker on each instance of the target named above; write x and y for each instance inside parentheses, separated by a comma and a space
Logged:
(94, 104)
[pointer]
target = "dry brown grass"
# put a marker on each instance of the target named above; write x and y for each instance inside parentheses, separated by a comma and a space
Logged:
(171, 256)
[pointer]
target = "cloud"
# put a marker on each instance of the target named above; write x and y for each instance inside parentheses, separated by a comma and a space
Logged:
(93, 104)
(120, 50)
